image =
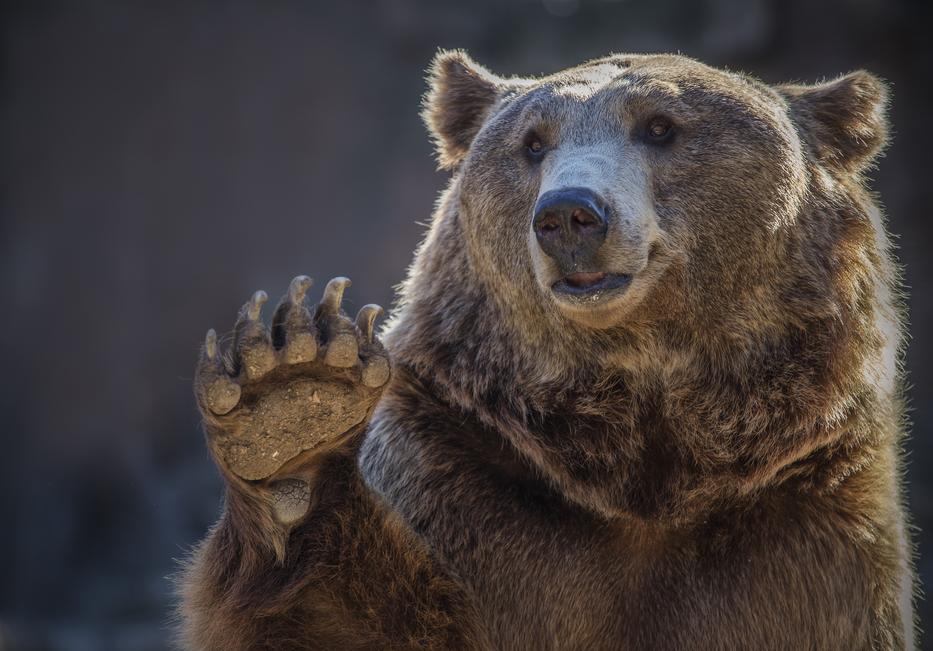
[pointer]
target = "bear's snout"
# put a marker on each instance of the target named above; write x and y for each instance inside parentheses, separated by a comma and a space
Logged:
(570, 225)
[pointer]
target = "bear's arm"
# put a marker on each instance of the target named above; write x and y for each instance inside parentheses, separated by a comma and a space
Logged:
(349, 575)
(305, 556)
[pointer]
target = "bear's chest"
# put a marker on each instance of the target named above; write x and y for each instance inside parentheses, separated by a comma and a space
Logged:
(541, 573)
(546, 574)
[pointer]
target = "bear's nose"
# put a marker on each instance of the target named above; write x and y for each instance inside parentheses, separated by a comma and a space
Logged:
(570, 224)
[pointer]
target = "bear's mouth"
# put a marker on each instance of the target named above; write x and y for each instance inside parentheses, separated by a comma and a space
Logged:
(591, 285)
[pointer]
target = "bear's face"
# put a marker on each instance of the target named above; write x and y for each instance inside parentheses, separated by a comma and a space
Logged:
(639, 187)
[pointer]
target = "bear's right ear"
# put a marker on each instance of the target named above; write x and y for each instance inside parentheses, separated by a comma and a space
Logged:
(459, 97)
(844, 119)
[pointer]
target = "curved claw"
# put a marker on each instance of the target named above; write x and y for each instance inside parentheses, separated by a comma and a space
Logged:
(210, 344)
(333, 295)
(252, 348)
(366, 319)
(298, 288)
(255, 305)
(219, 392)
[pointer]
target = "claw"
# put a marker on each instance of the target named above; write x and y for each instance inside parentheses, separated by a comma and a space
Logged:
(220, 393)
(292, 329)
(210, 345)
(255, 305)
(333, 295)
(366, 318)
(253, 352)
(298, 288)
(292, 322)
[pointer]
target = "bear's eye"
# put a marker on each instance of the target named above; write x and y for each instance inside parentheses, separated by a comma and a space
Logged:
(659, 129)
(534, 146)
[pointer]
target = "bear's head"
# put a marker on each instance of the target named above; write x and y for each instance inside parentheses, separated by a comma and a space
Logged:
(637, 188)
(650, 275)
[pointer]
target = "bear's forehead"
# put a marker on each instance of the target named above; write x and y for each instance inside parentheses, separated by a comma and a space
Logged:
(675, 82)
(664, 74)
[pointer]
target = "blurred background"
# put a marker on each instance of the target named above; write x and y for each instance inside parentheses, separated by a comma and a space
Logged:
(160, 161)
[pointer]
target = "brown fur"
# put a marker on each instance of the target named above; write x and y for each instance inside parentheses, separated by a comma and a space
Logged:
(711, 463)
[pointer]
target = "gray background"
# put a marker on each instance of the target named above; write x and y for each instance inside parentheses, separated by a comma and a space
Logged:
(160, 161)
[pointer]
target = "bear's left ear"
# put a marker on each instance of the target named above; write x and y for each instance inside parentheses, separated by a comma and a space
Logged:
(460, 94)
(843, 120)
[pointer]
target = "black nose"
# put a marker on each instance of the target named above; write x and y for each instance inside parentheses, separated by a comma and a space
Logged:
(570, 225)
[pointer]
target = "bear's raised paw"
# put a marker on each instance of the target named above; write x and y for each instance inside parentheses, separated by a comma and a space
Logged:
(305, 382)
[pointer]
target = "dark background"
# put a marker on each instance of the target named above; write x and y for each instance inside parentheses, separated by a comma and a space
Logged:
(160, 161)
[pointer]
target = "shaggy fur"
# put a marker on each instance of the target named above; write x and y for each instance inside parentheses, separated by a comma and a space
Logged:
(710, 461)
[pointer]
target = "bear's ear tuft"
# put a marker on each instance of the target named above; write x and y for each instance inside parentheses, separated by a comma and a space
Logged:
(459, 96)
(843, 120)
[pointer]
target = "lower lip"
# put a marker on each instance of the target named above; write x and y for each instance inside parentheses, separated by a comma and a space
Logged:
(610, 283)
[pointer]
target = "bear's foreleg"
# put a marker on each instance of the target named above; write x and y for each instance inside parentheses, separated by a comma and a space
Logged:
(304, 555)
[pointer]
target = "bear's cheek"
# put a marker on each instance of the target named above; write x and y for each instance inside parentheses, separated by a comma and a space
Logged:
(721, 219)
(497, 196)
(748, 178)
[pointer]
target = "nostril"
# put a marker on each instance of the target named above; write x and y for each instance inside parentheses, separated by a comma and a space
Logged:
(549, 223)
(583, 219)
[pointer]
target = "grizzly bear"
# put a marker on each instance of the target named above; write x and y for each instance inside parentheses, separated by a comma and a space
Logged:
(641, 389)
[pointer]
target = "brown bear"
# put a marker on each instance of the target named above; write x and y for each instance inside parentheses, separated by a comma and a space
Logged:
(641, 389)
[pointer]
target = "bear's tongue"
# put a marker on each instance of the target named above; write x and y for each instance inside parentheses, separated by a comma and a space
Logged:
(585, 278)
